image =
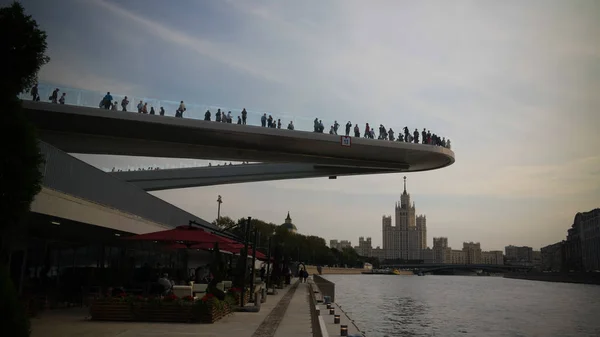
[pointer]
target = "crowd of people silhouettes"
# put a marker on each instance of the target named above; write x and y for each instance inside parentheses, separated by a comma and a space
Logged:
(423, 137)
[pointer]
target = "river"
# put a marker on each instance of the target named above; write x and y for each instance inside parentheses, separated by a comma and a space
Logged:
(388, 305)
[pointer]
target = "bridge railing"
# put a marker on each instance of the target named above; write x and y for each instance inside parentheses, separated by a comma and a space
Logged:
(92, 99)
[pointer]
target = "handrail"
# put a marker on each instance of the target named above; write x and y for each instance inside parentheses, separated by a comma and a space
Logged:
(87, 98)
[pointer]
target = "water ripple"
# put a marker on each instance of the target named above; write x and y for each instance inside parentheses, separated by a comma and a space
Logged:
(447, 306)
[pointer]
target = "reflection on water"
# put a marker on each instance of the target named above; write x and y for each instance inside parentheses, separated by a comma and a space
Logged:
(388, 305)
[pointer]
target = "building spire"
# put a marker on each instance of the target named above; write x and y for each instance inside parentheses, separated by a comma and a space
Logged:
(288, 216)
(404, 184)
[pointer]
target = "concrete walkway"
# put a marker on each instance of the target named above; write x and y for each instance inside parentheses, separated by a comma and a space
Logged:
(296, 321)
(74, 323)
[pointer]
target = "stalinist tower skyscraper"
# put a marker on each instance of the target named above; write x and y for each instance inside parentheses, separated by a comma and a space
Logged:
(408, 237)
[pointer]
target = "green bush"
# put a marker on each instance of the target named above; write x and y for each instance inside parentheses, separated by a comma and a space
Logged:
(13, 317)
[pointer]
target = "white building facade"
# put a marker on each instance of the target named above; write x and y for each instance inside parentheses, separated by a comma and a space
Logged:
(407, 239)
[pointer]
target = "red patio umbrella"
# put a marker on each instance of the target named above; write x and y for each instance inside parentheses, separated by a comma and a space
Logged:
(186, 235)
(229, 247)
(259, 255)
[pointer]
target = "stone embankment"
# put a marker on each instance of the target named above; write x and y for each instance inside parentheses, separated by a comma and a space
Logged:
(334, 270)
(583, 278)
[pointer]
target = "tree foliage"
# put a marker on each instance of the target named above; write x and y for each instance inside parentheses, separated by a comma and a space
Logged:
(289, 246)
(23, 49)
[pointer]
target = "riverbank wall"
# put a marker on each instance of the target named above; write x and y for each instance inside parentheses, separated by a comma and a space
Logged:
(334, 271)
(582, 278)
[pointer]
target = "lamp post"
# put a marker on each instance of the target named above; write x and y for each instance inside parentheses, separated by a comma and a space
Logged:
(269, 261)
(245, 259)
(219, 202)
(254, 246)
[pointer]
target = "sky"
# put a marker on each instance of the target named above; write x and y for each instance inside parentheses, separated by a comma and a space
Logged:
(514, 85)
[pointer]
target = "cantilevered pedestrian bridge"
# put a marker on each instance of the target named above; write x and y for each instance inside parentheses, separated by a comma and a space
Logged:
(292, 153)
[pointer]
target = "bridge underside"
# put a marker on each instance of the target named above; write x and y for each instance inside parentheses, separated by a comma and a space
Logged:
(231, 174)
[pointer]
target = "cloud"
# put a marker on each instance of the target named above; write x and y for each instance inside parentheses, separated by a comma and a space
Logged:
(215, 51)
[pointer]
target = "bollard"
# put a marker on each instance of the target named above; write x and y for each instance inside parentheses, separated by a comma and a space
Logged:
(336, 319)
(343, 330)
(328, 305)
(332, 311)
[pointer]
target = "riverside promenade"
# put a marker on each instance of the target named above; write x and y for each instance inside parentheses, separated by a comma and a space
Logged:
(285, 314)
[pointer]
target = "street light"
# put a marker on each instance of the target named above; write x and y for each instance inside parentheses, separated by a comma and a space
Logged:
(269, 261)
(219, 201)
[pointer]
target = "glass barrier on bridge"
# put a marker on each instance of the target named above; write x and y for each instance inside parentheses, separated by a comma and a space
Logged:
(92, 99)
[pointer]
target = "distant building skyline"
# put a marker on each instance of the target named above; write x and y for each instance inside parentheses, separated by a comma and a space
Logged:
(581, 249)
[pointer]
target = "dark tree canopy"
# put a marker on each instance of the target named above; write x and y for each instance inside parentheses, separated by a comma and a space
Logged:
(23, 49)
(309, 249)
(20, 176)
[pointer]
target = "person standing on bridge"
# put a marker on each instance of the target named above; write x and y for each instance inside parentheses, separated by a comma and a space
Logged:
(391, 134)
(356, 131)
(162, 111)
(367, 130)
(348, 126)
(291, 125)
(107, 101)
(336, 126)
(207, 115)
(35, 95)
(263, 120)
(270, 121)
(244, 115)
(124, 103)
(279, 123)
(239, 120)
(180, 110)
(416, 136)
(152, 110)
(62, 98)
(114, 106)
(140, 106)
(229, 118)
(54, 97)
(145, 108)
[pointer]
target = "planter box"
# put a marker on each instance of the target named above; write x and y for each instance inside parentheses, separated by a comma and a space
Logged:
(107, 310)
(111, 311)
(214, 315)
(239, 295)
